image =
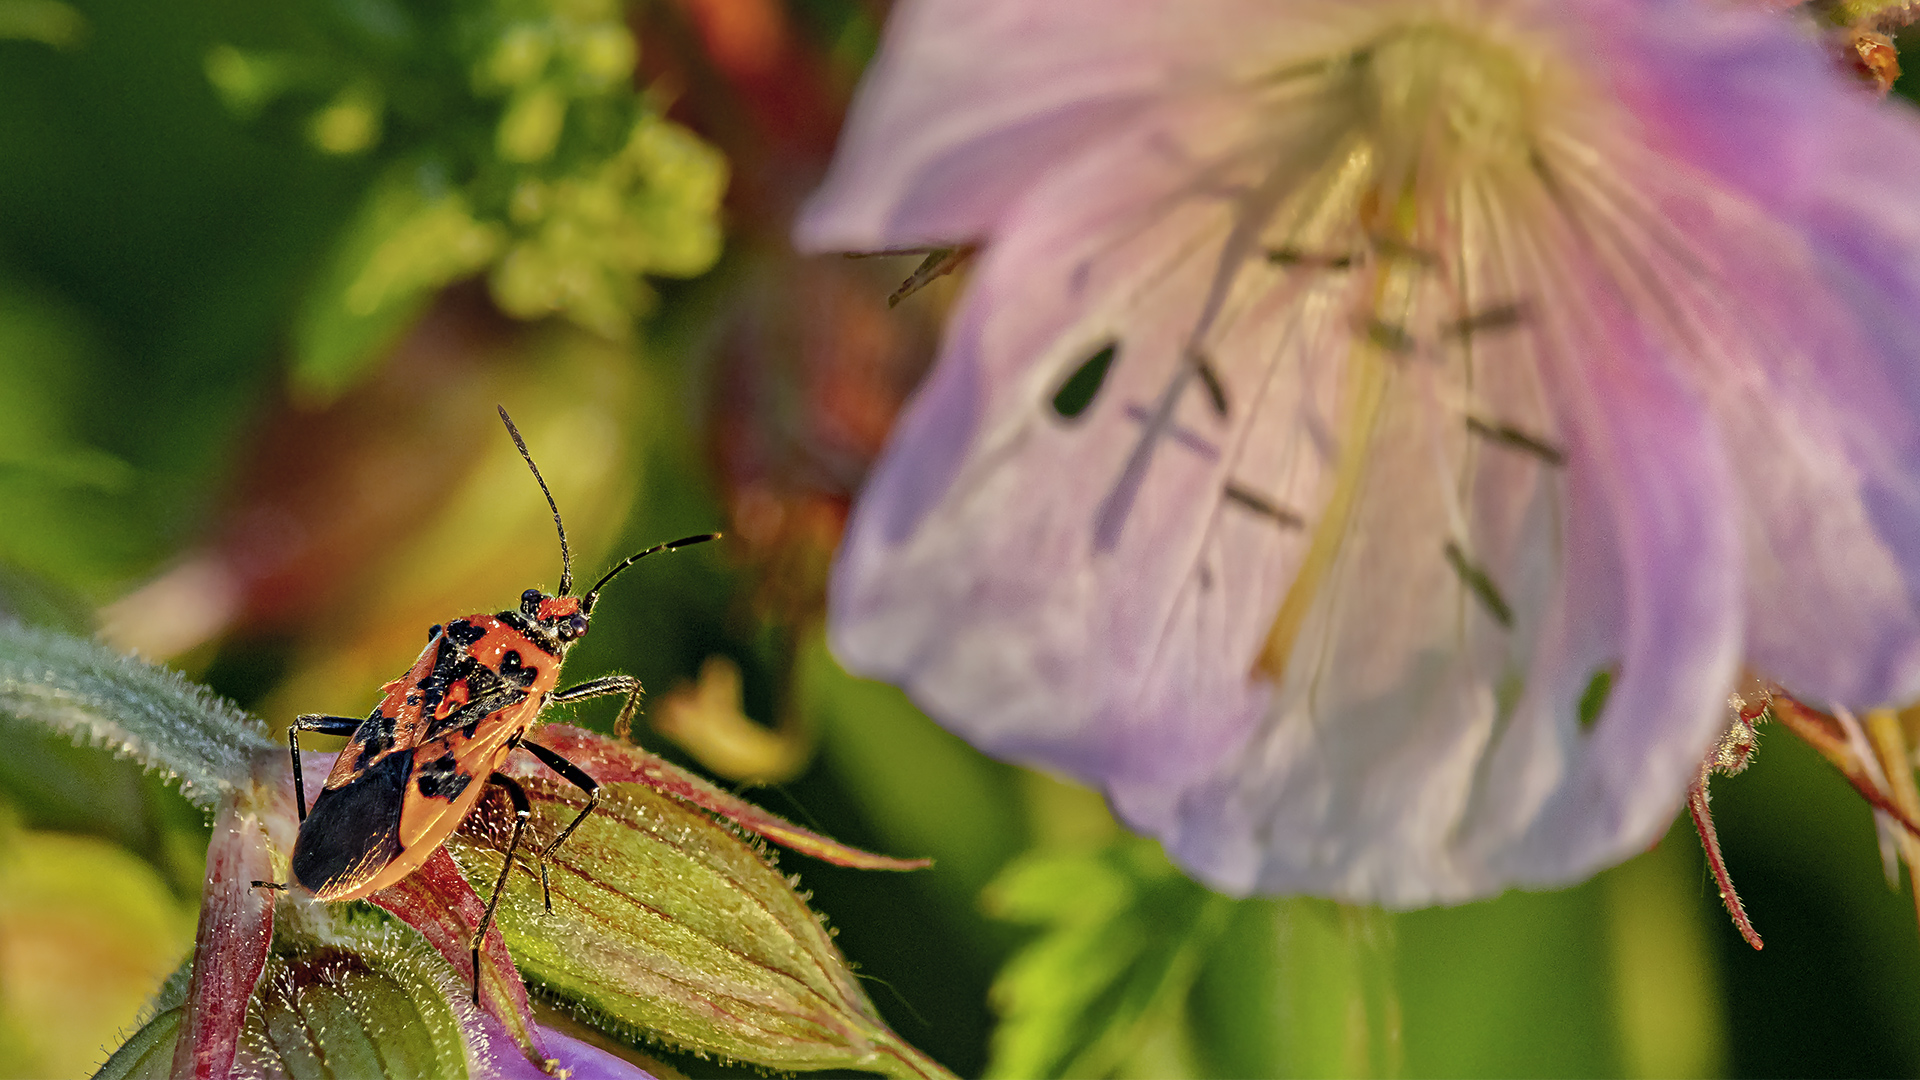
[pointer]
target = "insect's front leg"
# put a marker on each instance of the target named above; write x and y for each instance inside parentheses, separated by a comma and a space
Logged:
(578, 777)
(522, 810)
(324, 724)
(604, 687)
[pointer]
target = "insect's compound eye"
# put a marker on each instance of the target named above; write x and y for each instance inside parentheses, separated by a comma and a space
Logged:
(575, 626)
(530, 602)
(433, 631)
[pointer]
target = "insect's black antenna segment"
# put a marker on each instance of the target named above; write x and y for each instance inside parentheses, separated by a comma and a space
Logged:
(685, 541)
(566, 558)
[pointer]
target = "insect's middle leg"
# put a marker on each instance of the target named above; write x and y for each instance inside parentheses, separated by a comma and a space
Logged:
(605, 687)
(325, 725)
(522, 810)
(578, 777)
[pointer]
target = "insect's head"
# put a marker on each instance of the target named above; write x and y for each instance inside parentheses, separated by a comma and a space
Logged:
(561, 617)
(565, 617)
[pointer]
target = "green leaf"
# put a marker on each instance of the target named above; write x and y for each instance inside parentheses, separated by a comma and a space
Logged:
(95, 695)
(1102, 991)
(1868, 13)
(1139, 971)
(669, 925)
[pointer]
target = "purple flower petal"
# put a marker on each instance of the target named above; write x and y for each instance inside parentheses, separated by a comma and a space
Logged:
(1431, 365)
(582, 1061)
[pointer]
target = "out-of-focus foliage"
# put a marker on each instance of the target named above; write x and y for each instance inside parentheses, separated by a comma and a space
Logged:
(90, 930)
(47, 21)
(511, 142)
(1104, 991)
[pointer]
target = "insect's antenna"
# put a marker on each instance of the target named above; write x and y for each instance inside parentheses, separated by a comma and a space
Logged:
(685, 541)
(566, 558)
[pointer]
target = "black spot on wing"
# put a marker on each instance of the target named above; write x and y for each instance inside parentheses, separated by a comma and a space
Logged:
(514, 671)
(451, 664)
(374, 737)
(442, 778)
(1291, 256)
(464, 632)
(353, 830)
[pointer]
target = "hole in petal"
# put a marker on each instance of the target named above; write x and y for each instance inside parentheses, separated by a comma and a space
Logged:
(1594, 698)
(1079, 390)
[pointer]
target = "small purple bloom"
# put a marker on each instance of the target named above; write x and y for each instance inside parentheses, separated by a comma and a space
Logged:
(1376, 432)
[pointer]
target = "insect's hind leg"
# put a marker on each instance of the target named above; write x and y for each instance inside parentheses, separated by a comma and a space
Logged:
(578, 777)
(325, 725)
(522, 810)
(606, 687)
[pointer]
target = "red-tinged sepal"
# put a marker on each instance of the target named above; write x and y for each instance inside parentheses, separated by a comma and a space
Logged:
(613, 762)
(230, 947)
(437, 901)
(1828, 735)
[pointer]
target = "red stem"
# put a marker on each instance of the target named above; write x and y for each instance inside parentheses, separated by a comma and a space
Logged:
(1709, 839)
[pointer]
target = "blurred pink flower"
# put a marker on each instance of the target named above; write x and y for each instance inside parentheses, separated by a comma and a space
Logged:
(1376, 432)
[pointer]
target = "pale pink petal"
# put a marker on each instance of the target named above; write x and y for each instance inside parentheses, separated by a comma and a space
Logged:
(952, 125)
(974, 570)
(1689, 438)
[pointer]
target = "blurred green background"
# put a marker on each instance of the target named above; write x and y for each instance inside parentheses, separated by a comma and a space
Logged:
(265, 270)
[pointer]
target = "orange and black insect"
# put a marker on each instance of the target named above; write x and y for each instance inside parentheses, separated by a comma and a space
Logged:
(416, 767)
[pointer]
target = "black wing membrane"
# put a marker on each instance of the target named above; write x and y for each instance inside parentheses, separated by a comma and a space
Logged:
(353, 830)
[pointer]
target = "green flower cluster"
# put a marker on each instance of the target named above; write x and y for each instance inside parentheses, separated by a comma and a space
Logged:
(508, 140)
